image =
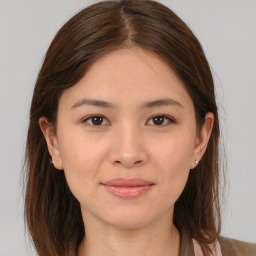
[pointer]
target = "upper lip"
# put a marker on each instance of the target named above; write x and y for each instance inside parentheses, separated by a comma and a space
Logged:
(124, 182)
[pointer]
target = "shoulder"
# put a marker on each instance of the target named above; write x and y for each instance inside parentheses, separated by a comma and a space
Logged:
(233, 247)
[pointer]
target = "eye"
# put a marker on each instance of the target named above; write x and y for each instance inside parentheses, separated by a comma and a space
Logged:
(95, 120)
(98, 120)
(161, 120)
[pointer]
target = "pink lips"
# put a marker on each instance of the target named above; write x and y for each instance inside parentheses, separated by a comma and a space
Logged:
(127, 188)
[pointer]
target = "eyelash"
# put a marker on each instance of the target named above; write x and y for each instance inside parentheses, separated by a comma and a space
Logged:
(171, 120)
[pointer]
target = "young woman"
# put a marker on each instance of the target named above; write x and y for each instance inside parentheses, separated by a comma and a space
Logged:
(123, 141)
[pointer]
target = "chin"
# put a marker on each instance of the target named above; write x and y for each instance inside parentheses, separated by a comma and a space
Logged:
(127, 219)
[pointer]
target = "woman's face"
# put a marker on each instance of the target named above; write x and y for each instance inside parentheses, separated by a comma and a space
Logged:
(124, 140)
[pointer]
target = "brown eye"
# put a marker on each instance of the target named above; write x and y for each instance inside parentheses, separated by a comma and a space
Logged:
(95, 120)
(98, 120)
(161, 120)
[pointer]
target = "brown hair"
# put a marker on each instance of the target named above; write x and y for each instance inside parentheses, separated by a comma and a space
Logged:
(52, 213)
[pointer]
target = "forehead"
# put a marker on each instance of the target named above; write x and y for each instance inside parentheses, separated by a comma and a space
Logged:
(128, 77)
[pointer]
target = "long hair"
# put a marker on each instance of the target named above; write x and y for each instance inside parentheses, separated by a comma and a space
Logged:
(52, 213)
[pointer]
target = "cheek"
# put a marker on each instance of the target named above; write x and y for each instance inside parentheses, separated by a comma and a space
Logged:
(175, 154)
(81, 160)
(173, 160)
(79, 151)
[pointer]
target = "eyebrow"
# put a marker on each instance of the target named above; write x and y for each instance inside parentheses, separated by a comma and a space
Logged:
(105, 104)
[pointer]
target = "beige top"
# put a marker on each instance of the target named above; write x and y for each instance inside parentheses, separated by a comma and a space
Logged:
(198, 251)
(223, 247)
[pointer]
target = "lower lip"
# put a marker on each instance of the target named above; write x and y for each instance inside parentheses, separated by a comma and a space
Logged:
(128, 192)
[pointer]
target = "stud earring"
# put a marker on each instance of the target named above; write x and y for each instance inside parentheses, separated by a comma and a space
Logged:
(51, 161)
(196, 162)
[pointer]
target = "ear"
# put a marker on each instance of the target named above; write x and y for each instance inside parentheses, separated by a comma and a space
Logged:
(202, 139)
(52, 142)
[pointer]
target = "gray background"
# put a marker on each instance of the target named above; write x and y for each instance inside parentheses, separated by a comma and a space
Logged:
(226, 30)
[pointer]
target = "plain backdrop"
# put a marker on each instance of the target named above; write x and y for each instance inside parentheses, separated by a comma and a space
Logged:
(226, 30)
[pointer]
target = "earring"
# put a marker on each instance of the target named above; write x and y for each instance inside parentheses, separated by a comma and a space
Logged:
(196, 162)
(51, 161)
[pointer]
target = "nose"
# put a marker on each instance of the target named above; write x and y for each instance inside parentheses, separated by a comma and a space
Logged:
(128, 149)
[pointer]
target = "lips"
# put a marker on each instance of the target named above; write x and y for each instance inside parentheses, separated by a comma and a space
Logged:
(122, 182)
(128, 188)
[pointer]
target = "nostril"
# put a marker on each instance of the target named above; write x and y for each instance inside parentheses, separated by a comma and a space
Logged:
(138, 162)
